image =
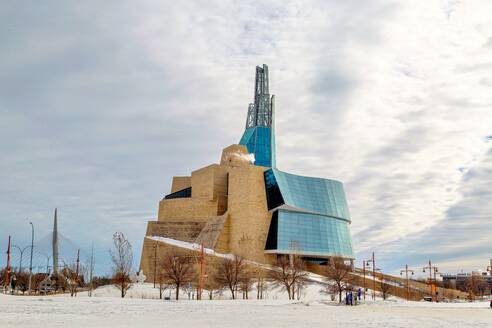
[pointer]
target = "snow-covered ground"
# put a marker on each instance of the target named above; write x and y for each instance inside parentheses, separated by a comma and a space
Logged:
(314, 310)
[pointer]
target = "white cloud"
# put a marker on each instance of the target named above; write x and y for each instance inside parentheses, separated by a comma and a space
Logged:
(100, 106)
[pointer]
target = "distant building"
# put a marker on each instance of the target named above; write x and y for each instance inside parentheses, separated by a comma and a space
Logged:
(246, 206)
(462, 281)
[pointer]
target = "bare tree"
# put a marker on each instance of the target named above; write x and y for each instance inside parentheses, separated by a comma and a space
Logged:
(162, 281)
(229, 272)
(261, 287)
(211, 284)
(474, 285)
(290, 272)
(160, 276)
(122, 258)
(246, 281)
(337, 273)
(385, 287)
(73, 275)
(178, 268)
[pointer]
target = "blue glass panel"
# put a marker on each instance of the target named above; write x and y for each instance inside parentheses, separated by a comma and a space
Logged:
(246, 136)
(311, 234)
(311, 194)
(258, 142)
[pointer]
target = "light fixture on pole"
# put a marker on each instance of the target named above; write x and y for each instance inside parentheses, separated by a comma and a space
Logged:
(373, 261)
(407, 270)
(21, 251)
(432, 269)
(30, 263)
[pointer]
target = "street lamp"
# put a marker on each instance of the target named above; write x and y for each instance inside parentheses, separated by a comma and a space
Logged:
(21, 251)
(32, 248)
(48, 257)
(373, 261)
(431, 270)
(407, 270)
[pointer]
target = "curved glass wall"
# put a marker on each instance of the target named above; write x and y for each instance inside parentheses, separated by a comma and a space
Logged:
(310, 216)
(309, 234)
(315, 195)
(259, 141)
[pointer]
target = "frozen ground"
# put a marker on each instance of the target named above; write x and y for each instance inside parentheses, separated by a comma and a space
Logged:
(106, 311)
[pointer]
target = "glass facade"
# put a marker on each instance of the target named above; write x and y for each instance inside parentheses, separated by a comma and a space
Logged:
(309, 234)
(308, 194)
(258, 140)
(310, 216)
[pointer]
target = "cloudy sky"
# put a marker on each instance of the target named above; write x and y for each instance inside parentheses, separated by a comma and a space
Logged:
(101, 103)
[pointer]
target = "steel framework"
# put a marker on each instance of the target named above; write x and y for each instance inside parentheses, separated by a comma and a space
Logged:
(260, 113)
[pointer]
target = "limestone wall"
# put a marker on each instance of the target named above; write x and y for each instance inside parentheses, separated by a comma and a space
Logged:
(180, 183)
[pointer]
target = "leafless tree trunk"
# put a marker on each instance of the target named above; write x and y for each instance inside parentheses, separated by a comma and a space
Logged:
(290, 271)
(73, 279)
(260, 283)
(211, 284)
(337, 272)
(474, 285)
(178, 268)
(122, 258)
(246, 281)
(229, 272)
(385, 287)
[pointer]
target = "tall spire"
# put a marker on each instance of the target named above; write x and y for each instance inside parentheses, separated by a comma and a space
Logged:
(55, 244)
(260, 112)
(259, 136)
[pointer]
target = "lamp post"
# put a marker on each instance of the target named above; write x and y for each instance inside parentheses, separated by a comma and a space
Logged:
(364, 277)
(432, 269)
(373, 261)
(30, 263)
(489, 268)
(7, 269)
(407, 270)
(21, 251)
(48, 257)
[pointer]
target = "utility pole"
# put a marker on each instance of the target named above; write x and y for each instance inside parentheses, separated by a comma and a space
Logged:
(54, 244)
(7, 270)
(30, 263)
(406, 275)
(77, 271)
(373, 261)
(431, 270)
(48, 265)
(91, 269)
(489, 268)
